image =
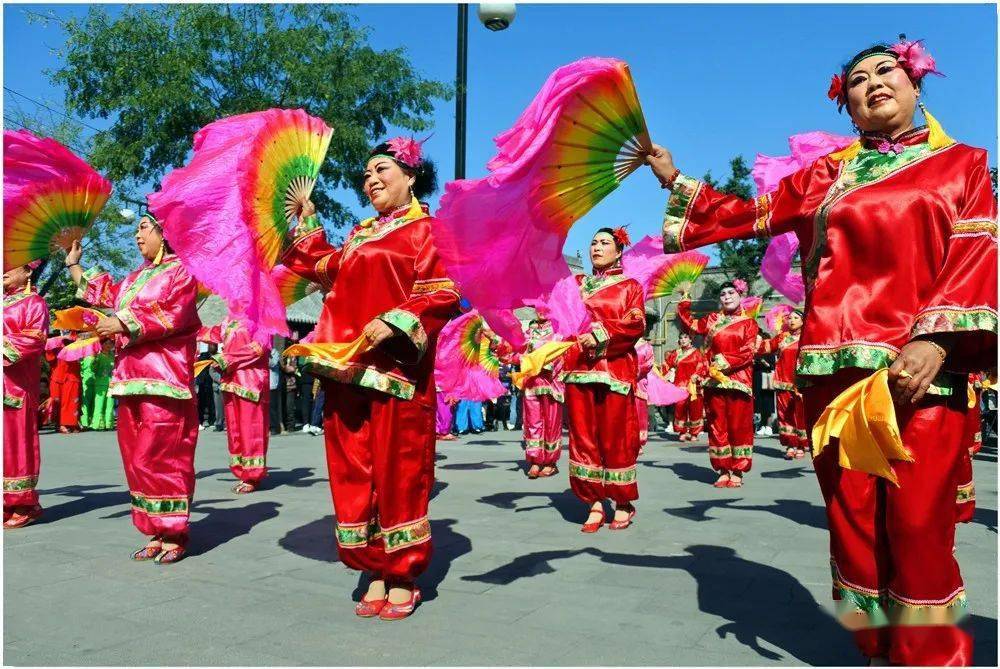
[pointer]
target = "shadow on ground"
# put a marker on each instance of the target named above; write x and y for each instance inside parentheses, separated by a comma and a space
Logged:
(686, 471)
(88, 498)
(794, 623)
(569, 507)
(797, 510)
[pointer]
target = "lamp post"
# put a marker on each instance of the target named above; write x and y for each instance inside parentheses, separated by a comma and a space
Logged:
(496, 16)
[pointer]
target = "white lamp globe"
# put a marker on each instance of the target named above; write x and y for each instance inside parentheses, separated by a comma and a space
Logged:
(497, 15)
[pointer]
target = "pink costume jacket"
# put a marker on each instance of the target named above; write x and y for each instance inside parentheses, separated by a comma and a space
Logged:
(25, 328)
(549, 382)
(387, 269)
(646, 361)
(157, 306)
(242, 362)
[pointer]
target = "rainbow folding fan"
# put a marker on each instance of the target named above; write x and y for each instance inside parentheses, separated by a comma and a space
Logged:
(50, 197)
(465, 366)
(291, 286)
(226, 213)
(679, 271)
(582, 134)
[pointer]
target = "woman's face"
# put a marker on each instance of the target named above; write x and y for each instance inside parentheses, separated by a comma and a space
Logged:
(794, 322)
(148, 238)
(880, 95)
(16, 279)
(685, 340)
(603, 251)
(386, 184)
(729, 299)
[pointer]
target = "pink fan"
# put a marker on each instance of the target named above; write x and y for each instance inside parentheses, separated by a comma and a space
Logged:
(776, 267)
(463, 364)
(661, 392)
(565, 308)
(752, 306)
(80, 349)
(776, 316)
(56, 343)
(227, 211)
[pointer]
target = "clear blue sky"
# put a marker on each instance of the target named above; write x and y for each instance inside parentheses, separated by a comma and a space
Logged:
(714, 80)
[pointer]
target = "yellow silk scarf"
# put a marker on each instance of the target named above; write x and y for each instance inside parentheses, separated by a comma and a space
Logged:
(338, 355)
(533, 363)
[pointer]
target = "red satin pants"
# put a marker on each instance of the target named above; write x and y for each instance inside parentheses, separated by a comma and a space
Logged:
(689, 416)
(791, 420)
(380, 455)
(730, 430)
(892, 547)
(248, 431)
(603, 443)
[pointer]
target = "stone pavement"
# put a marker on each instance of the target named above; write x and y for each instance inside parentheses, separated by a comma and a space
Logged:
(704, 577)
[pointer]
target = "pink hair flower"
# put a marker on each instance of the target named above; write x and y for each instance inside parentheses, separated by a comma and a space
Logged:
(741, 286)
(915, 60)
(406, 150)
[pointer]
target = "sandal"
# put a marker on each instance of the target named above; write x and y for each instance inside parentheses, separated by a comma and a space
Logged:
(548, 471)
(590, 528)
(723, 481)
(533, 472)
(790, 453)
(392, 611)
(622, 524)
(243, 488)
(170, 556)
(148, 552)
(736, 482)
(368, 608)
(17, 520)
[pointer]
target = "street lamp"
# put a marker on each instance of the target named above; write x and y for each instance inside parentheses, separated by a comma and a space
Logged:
(495, 16)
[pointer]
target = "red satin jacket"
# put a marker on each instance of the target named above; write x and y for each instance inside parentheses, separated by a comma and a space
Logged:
(684, 364)
(786, 345)
(894, 246)
(730, 342)
(618, 315)
(388, 269)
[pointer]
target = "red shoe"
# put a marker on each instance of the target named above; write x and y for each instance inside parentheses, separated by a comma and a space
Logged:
(590, 528)
(552, 471)
(723, 482)
(244, 488)
(533, 472)
(392, 611)
(147, 552)
(369, 609)
(171, 556)
(735, 483)
(622, 524)
(17, 520)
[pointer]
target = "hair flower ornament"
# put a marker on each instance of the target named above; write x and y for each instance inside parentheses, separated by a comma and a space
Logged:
(407, 150)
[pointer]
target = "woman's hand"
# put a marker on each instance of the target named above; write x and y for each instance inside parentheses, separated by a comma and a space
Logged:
(661, 162)
(74, 254)
(911, 374)
(108, 327)
(376, 332)
(588, 342)
(308, 209)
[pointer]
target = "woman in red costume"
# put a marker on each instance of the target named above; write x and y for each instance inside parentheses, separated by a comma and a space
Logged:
(898, 238)
(243, 364)
(791, 412)
(730, 341)
(65, 387)
(687, 367)
(544, 395)
(965, 495)
(387, 284)
(25, 328)
(600, 378)
(644, 350)
(154, 325)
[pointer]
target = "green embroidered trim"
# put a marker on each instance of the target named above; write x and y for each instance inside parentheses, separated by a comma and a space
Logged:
(403, 536)
(551, 446)
(684, 192)
(361, 375)
(374, 230)
(865, 169)
(352, 536)
(719, 362)
(9, 351)
(620, 476)
(954, 319)
(545, 390)
(20, 484)
(966, 493)
(161, 506)
(904, 612)
(585, 472)
(145, 276)
(14, 298)
(720, 451)
(595, 376)
(240, 391)
(307, 224)
(602, 337)
(130, 322)
(88, 276)
(593, 283)
(784, 386)
(256, 462)
(784, 428)
(220, 361)
(409, 325)
(729, 385)
(533, 444)
(12, 402)
(742, 451)
(148, 387)
(823, 361)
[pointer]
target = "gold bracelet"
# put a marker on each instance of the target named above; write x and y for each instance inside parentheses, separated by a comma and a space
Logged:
(939, 348)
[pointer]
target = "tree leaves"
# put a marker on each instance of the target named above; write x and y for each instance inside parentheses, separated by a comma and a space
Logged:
(162, 72)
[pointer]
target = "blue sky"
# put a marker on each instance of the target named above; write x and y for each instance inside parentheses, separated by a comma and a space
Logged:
(714, 80)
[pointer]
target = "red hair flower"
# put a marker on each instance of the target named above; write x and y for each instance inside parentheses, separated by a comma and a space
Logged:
(621, 237)
(836, 91)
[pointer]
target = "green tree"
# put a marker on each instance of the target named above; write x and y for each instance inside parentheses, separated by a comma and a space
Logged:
(108, 241)
(162, 72)
(738, 259)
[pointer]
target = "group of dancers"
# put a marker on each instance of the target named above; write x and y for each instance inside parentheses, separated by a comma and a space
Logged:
(898, 239)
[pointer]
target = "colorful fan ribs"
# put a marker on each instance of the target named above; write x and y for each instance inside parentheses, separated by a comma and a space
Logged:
(599, 139)
(291, 286)
(284, 164)
(50, 196)
(681, 268)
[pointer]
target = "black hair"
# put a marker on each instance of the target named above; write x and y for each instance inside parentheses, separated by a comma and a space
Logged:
(425, 174)
(612, 233)
(152, 219)
(727, 284)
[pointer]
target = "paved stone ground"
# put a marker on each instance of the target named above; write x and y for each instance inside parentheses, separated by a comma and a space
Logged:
(704, 577)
